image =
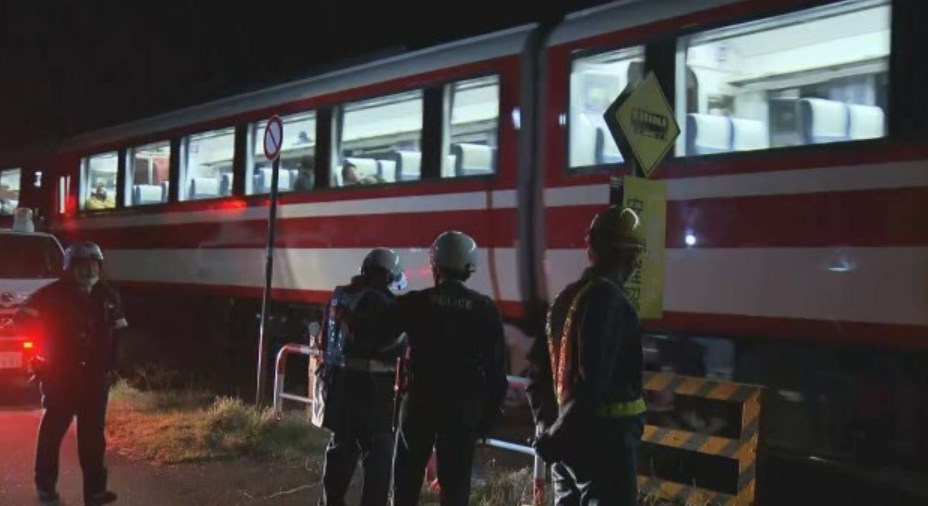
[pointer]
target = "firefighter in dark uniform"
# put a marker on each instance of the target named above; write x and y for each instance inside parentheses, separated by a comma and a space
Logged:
(78, 320)
(357, 377)
(457, 374)
(586, 378)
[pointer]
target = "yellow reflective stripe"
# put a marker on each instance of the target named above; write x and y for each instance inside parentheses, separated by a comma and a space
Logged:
(623, 409)
(560, 350)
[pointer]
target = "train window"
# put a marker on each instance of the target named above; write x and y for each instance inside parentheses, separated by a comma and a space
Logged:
(207, 165)
(595, 81)
(379, 140)
(148, 174)
(816, 76)
(9, 190)
(297, 168)
(472, 127)
(98, 181)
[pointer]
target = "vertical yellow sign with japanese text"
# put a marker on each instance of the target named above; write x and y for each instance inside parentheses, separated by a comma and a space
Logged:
(645, 287)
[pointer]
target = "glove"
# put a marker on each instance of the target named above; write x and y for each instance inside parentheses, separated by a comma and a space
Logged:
(562, 437)
(37, 368)
(546, 447)
(37, 364)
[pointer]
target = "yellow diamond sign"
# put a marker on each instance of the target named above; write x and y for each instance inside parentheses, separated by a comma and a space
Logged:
(643, 124)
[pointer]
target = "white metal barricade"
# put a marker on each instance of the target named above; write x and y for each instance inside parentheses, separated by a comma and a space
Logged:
(280, 374)
(518, 382)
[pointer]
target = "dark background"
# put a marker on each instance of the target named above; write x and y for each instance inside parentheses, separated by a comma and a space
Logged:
(67, 67)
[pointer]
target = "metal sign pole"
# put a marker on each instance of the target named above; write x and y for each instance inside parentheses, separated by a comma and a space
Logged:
(268, 275)
(616, 182)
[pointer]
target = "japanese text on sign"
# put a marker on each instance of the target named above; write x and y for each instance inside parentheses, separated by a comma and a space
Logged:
(645, 287)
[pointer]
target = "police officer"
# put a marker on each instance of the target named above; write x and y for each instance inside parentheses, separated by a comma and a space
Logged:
(457, 374)
(359, 369)
(585, 388)
(78, 319)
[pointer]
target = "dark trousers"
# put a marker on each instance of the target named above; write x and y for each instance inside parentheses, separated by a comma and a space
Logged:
(604, 471)
(85, 399)
(362, 430)
(451, 428)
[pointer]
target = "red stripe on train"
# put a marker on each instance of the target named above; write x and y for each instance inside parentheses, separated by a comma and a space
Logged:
(829, 331)
(867, 218)
(826, 331)
(493, 228)
(752, 162)
(508, 308)
(237, 203)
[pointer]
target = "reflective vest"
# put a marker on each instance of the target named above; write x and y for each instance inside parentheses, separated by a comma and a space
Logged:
(337, 331)
(562, 349)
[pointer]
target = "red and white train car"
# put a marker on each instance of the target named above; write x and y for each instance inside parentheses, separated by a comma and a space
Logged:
(797, 252)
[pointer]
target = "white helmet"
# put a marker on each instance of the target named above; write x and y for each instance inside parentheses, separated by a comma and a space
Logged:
(385, 259)
(85, 250)
(454, 250)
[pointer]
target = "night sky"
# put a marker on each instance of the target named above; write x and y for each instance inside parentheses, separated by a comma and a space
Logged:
(73, 66)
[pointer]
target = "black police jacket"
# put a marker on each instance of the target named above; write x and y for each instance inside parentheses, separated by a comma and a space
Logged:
(341, 341)
(338, 385)
(457, 349)
(77, 332)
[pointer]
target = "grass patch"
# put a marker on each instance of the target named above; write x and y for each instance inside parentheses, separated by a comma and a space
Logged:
(507, 487)
(190, 425)
(156, 418)
(513, 487)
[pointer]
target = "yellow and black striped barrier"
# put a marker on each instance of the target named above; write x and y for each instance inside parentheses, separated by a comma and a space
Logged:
(744, 449)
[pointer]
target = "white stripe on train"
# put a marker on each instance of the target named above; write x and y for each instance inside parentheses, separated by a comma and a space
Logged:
(879, 176)
(874, 285)
(301, 269)
(828, 179)
(470, 201)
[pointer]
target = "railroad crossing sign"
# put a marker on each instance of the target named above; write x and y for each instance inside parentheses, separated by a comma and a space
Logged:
(273, 140)
(642, 123)
(273, 137)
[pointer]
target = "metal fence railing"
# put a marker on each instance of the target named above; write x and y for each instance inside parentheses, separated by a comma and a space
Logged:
(539, 468)
(743, 449)
(280, 374)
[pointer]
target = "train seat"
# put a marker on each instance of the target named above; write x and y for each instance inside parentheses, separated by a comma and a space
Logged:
(708, 134)
(473, 159)
(749, 134)
(408, 165)
(204, 188)
(822, 121)
(866, 122)
(148, 194)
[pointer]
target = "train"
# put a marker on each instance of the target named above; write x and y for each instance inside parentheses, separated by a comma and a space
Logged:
(797, 193)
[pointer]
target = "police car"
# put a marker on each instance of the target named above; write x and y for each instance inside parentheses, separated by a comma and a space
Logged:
(29, 260)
